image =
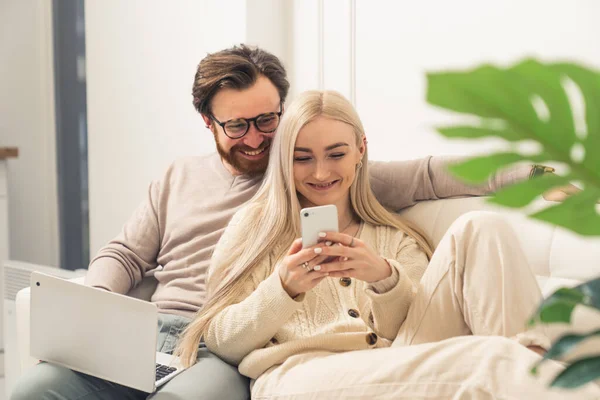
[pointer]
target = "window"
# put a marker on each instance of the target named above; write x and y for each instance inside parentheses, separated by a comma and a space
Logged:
(71, 132)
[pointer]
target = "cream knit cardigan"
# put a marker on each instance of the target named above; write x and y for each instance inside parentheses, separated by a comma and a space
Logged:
(266, 326)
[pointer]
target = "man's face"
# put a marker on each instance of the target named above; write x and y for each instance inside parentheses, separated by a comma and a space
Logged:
(250, 153)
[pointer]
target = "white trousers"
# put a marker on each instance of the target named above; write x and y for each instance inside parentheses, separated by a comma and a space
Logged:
(477, 292)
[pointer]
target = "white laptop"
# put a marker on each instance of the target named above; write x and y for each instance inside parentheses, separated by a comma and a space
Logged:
(99, 333)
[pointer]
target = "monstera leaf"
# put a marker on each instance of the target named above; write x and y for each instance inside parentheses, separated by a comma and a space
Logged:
(528, 101)
(559, 307)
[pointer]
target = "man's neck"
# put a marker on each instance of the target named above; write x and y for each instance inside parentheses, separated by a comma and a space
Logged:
(230, 168)
(236, 173)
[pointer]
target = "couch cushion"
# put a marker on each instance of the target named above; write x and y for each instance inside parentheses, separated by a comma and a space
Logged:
(550, 251)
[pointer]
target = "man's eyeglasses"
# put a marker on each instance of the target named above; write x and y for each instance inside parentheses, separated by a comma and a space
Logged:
(237, 128)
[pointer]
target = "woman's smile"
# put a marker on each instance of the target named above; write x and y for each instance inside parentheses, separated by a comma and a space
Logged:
(324, 186)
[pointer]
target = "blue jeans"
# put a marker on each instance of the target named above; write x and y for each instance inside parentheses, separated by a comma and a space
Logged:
(209, 378)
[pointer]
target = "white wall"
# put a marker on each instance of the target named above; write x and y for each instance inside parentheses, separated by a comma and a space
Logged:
(268, 25)
(395, 43)
(27, 121)
(141, 60)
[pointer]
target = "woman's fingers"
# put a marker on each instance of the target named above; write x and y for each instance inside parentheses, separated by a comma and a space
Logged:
(348, 273)
(339, 251)
(346, 240)
(311, 255)
(313, 265)
(295, 247)
(337, 266)
(318, 278)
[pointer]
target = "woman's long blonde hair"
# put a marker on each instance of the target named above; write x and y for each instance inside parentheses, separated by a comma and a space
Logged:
(272, 216)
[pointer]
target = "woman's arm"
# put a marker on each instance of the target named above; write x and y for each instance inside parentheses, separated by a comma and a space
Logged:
(390, 298)
(259, 310)
(250, 324)
(390, 283)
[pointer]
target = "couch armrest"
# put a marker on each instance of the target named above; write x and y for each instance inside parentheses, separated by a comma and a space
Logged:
(23, 301)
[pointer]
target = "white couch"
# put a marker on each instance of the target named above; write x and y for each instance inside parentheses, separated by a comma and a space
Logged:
(557, 257)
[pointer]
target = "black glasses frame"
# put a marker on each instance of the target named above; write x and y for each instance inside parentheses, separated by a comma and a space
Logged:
(250, 121)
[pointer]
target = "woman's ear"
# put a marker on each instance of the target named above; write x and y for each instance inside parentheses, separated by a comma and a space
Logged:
(363, 146)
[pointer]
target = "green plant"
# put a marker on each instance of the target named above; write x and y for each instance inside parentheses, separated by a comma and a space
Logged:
(529, 101)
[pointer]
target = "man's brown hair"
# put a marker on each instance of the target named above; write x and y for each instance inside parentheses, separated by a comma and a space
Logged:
(237, 68)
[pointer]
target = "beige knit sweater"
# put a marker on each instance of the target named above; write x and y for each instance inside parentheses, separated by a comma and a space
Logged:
(266, 326)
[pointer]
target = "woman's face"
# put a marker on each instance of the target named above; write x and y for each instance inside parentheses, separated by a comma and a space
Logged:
(325, 159)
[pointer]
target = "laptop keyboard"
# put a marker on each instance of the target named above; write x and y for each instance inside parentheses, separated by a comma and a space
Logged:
(163, 370)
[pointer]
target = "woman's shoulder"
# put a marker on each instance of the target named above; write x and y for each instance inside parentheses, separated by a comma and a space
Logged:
(233, 229)
(241, 214)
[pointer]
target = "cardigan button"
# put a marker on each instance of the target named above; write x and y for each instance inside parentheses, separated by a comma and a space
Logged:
(371, 339)
(345, 281)
(353, 313)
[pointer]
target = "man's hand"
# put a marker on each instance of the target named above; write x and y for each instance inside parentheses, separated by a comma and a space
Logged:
(561, 193)
(555, 194)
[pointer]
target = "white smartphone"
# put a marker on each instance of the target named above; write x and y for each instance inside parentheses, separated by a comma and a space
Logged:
(317, 219)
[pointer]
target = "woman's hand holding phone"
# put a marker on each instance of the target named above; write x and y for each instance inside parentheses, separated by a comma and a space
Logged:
(354, 259)
(301, 270)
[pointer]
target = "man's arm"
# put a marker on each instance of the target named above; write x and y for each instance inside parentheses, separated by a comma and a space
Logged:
(400, 184)
(121, 264)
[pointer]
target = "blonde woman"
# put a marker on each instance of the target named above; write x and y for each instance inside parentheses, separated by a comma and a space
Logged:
(379, 319)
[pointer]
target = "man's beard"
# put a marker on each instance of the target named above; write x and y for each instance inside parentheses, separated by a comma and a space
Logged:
(241, 164)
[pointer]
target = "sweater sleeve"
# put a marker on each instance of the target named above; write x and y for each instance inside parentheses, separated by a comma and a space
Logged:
(400, 184)
(122, 263)
(391, 298)
(249, 325)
